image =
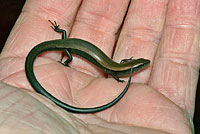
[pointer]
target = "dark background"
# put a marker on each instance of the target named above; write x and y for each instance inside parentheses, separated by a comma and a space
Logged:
(10, 10)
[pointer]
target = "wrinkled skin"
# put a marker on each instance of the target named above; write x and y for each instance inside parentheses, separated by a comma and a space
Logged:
(160, 99)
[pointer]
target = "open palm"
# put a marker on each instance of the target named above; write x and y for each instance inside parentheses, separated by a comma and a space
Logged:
(161, 97)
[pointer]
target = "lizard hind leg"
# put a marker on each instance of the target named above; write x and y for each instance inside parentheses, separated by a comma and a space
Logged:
(56, 28)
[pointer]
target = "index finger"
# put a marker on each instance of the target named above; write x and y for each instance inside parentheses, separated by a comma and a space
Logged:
(32, 26)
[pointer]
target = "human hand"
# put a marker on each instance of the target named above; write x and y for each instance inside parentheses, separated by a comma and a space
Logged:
(161, 98)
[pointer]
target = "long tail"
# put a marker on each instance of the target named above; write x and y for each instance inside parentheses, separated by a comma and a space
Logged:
(36, 85)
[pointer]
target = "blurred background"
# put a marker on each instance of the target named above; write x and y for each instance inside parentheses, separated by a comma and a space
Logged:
(10, 10)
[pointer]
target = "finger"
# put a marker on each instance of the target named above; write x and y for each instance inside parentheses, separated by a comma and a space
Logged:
(32, 26)
(98, 22)
(175, 72)
(141, 32)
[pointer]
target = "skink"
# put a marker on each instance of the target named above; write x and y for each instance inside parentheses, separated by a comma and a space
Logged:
(89, 52)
